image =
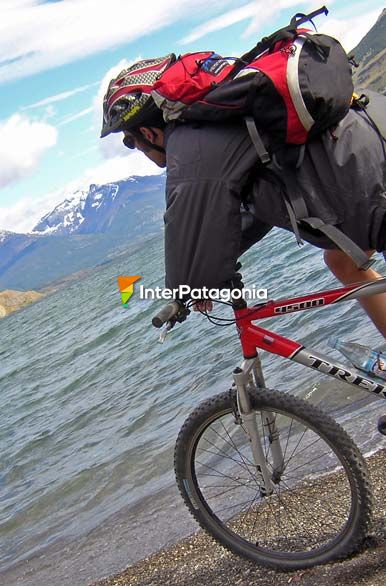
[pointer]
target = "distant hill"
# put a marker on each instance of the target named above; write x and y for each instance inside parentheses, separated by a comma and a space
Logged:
(370, 54)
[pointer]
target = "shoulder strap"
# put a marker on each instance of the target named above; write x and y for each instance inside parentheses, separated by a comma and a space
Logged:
(360, 258)
(257, 141)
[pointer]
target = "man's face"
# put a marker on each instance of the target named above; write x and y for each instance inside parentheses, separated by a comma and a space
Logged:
(135, 142)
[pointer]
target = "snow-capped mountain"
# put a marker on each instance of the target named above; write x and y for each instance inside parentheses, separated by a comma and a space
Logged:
(87, 228)
(96, 209)
(3, 235)
(65, 217)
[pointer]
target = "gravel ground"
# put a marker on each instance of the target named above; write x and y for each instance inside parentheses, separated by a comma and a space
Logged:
(198, 561)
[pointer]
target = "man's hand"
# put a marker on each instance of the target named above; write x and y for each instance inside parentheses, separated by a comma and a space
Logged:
(205, 306)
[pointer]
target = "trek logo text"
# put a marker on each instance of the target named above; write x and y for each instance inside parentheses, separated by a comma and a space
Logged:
(345, 375)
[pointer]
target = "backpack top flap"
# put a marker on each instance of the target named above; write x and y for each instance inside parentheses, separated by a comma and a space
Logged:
(189, 79)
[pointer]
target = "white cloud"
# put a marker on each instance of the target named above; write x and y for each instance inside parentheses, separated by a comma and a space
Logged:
(9, 6)
(349, 31)
(22, 144)
(119, 163)
(76, 116)
(259, 11)
(131, 163)
(26, 212)
(35, 36)
(61, 96)
(221, 22)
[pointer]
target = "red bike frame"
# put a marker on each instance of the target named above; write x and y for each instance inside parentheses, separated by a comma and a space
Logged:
(253, 337)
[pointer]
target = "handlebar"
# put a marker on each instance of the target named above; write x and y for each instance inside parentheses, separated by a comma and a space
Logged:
(167, 313)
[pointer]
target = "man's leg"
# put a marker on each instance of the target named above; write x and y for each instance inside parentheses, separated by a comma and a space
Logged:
(343, 267)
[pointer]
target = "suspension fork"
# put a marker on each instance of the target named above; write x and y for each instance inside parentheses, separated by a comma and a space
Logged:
(269, 423)
(250, 374)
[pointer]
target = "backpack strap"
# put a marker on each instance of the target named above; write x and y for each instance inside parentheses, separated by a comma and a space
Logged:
(257, 141)
(301, 18)
(360, 258)
(290, 159)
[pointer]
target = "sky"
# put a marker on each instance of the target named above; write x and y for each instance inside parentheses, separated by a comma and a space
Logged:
(57, 57)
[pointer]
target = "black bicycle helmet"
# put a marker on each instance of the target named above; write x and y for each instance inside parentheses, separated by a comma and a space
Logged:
(128, 102)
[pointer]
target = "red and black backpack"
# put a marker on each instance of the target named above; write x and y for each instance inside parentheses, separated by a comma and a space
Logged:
(294, 84)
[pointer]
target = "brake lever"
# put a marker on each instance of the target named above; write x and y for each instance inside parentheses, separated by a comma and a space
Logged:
(179, 317)
(164, 332)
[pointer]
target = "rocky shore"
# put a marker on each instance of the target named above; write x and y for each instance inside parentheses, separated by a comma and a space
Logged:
(198, 561)
(11, 301)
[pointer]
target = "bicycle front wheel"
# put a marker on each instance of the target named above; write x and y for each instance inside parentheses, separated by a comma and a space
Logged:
(320, 508)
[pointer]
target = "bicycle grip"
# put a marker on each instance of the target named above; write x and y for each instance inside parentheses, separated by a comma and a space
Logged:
(166, 313)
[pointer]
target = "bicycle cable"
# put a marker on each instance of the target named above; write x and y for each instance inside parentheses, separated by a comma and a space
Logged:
(229, 321)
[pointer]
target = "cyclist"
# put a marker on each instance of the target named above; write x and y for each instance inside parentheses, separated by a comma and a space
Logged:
(220, 200)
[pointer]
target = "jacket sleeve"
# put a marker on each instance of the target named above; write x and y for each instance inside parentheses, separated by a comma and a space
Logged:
(202, 235)
(207, 169)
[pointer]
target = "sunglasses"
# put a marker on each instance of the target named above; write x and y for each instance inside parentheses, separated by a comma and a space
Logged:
(129, 141)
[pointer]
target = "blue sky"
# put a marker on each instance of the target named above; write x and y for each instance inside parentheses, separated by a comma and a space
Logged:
(57, 56)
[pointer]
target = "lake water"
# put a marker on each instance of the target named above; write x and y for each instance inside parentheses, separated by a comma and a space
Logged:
(91, 405)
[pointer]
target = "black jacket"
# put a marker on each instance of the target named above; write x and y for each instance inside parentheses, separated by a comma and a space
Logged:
(220, 200)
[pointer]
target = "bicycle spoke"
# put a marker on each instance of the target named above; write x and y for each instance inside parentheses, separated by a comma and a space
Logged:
(297, 445)
(326, 505)
(250, 506)
(288, 436)
(242, 504)
(246, 435)
(292, 470)
(307, 447)
(242, 464)
(291, 519)
(220, 474)
(227, 489)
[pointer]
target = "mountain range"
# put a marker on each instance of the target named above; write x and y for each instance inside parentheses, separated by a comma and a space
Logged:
(86, 229)
(94, 225)
(370, 54)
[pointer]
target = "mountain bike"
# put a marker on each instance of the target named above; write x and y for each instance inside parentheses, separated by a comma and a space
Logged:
(271, 477)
